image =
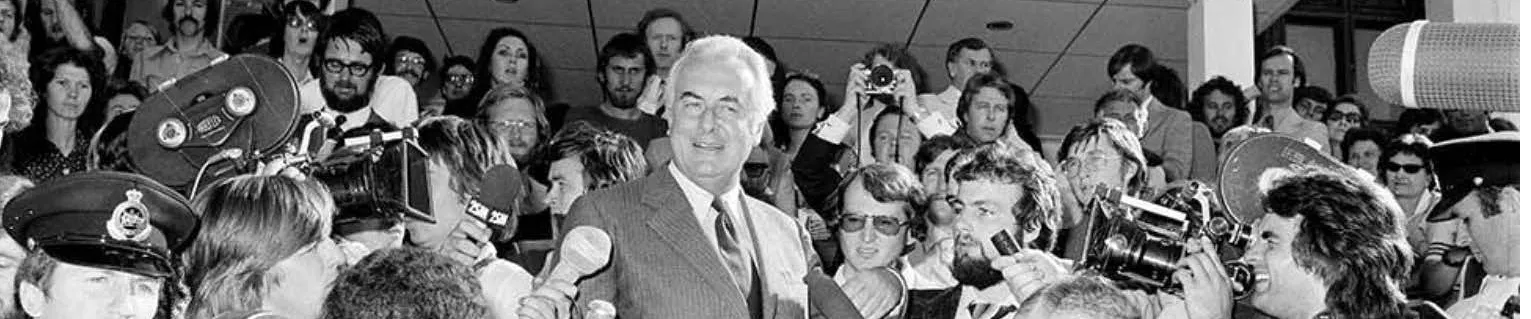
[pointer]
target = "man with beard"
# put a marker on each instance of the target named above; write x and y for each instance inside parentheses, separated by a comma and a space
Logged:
(351, 53)
(1219, 104)
(997, 190)
(621, 70)
(187, 50)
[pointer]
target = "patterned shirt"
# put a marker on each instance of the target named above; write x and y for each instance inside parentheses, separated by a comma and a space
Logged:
(39, 160)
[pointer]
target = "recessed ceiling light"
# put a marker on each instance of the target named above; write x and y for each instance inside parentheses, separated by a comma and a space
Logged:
(999, 25)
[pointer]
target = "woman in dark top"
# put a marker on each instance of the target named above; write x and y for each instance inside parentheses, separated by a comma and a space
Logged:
(58, 140)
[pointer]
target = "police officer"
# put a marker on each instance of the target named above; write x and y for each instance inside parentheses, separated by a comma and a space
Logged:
(101, 245)
(1480, 183)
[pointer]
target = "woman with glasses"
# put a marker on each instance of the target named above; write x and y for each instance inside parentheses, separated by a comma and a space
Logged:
(1406, 171)
(293, 45)
(1344, 114)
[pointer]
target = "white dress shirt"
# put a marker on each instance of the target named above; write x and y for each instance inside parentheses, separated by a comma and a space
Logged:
(701, 205)
(392, 98)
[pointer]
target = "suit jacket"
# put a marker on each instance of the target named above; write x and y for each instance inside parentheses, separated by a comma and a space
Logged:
(662, 266)
(1168, 133)
(1204, 154)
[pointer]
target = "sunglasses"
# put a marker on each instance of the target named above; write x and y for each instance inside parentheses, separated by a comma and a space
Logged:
(1351, 117)
(460, 79)
(890, 226)
(1407, 168)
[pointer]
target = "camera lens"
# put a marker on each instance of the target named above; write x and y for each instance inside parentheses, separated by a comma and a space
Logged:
(881, 76)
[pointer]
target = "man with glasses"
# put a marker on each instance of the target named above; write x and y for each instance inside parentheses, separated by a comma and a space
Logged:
(456, 87)
(351, 53)
(411, 59)
(877, 209)
(138, 37)
(621, 69)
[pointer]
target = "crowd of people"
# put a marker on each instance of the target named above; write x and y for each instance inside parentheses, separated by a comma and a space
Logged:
(730, 184)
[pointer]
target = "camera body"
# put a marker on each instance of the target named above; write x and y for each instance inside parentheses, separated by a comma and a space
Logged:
(1138, 243)
(378, 171)
(880, 80)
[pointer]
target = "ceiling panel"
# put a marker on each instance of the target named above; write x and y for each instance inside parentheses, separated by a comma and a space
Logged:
(1161, 30)
(1039, 25)
(566, 12)
(720, 16)
(850, 20)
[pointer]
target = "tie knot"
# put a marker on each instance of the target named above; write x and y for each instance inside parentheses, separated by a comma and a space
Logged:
(719, 205)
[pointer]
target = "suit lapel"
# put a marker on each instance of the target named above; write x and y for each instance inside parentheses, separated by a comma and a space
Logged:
(1156, 117)
(762, 257)
(674, 223)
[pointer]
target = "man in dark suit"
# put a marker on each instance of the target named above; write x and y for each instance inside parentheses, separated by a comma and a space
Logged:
(686, 241)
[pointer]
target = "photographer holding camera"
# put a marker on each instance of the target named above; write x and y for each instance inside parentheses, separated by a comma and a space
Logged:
(887, 76)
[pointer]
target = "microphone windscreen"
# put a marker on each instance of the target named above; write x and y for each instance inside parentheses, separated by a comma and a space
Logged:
(584, 250)
(1454, 66)
(503, 188)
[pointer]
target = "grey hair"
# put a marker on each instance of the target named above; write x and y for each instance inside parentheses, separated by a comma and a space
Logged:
(723, 48)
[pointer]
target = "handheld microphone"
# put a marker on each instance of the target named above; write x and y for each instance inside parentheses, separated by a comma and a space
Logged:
(600, 309)
(503, 188)
(584, 250)
(1461, 66)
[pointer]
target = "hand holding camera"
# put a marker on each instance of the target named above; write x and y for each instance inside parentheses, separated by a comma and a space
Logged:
(1207, 289)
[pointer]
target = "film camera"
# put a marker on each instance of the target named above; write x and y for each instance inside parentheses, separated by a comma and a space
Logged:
(379, 167)
(1138, 243)
(880, 80)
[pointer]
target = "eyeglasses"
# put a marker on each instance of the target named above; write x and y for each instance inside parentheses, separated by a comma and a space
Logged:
(890, 226)
(305, 24)
(462, 79)
(1351, 117)
(512, 125)
(1407, 168)
(410, 60)
(357, 68)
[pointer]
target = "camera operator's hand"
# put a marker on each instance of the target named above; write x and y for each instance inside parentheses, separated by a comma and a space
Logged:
(855, 90)
(652, 97)
(1208, 292)
(1073, 209)
(1028, 271)
(874, 293)
(282, 165)
(553, 299)
(466, 242)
